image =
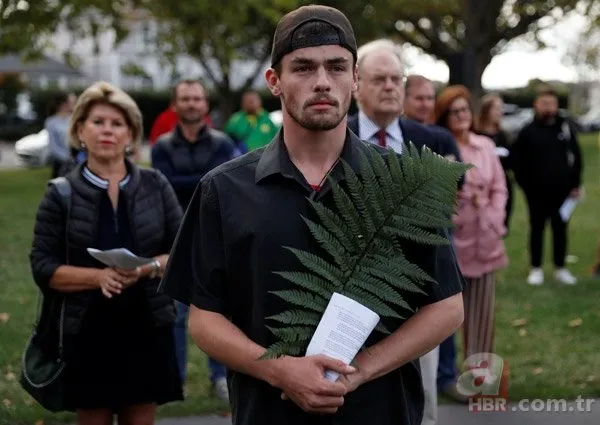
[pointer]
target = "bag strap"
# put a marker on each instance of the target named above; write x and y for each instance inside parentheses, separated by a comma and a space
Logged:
(63, 187)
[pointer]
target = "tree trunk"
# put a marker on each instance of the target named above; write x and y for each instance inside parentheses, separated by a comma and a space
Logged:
(228, 103)
(466, 68)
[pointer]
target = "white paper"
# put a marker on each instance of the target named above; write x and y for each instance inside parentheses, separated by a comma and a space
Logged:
(342, 331)
(119, 257)
(502, 152)
(567, 208)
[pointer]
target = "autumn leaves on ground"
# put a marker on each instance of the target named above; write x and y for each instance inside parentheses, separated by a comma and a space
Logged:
(547, 334)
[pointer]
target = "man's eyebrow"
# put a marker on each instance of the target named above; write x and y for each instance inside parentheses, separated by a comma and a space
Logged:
(338, 60)
(302, 60)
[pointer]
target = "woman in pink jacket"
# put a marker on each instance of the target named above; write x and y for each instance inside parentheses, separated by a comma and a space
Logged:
(479, 220)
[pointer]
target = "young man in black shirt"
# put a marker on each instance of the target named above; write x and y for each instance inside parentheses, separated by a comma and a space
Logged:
(245, 211)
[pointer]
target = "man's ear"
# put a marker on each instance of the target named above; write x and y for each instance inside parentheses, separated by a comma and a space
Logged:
(355, 77)
(273, 82)
(356, 91)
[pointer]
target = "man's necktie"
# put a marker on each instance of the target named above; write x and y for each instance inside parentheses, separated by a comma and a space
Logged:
(381, 137)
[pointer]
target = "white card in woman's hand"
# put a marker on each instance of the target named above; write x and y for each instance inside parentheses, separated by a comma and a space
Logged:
(119, 257)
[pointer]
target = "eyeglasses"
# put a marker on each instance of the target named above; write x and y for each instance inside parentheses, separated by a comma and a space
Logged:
(381, 80)
(457, 112)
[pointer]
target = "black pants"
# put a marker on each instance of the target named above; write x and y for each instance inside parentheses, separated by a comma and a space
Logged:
(509, 204)
(540, 210)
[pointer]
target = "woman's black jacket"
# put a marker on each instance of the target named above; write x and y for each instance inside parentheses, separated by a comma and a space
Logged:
(154, 215)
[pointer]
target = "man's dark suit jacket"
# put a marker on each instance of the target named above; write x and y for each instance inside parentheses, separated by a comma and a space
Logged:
(436, 138)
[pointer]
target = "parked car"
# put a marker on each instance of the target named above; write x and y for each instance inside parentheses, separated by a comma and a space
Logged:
(32, 150)
(514, 121)
(590, 121)
(276, 117)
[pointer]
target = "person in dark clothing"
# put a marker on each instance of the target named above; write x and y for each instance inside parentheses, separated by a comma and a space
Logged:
(184, 156)
(547, 163)
(488, 124)
(419, 102)
(118, 330)
(223, 261)
(57, 123)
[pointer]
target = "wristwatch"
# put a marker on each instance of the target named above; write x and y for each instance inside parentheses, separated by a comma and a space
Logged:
(155, 269)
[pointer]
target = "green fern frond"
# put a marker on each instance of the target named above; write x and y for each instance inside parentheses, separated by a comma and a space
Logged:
(410, 215)
(319, 266)
(380, 290)
(349, 213)
(392, 199)
(297, 317)
(283, 348)
(416, 234)
(372, 302)
(302, 299)
(381, 328)
(386, 182)
(331, 244)
(359, 198)
(399, 267)
(341, 229)
(310, 282)
(374, 192)
(293, 334)
(396, 173)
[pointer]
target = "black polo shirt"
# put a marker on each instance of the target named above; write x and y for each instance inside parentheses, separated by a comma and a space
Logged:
(230, 243)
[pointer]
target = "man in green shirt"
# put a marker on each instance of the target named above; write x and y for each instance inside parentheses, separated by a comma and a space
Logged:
(251, 127)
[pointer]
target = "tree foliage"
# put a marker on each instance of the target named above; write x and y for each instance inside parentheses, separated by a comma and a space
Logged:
(23, 26)
(27, 26)
(583, 53)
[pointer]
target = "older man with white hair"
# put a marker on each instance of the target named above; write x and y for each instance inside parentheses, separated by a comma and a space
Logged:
(380, 99)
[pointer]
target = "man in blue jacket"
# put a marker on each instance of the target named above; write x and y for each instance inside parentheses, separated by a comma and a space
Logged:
(184, 156)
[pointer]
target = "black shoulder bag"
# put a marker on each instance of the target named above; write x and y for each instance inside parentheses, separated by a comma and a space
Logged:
(42, 375)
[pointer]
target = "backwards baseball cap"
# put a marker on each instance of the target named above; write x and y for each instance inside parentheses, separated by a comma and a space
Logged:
(289, 35)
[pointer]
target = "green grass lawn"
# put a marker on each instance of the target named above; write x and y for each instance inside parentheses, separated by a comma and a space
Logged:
(548, 357)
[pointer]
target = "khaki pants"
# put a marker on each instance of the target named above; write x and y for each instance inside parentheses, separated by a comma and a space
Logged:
(429, 366)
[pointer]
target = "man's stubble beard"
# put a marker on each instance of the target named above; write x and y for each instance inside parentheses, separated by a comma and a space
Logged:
(192, 121)
(317, 125)
(549, 118)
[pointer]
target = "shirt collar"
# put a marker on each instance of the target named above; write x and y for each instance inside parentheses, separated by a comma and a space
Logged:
(276, 160)
(99, 181)
(367, 128)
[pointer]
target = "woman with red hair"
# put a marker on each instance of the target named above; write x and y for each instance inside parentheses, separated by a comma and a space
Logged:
(479, 219)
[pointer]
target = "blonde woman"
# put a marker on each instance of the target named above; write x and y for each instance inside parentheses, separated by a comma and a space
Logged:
(118, 336)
